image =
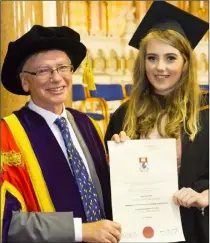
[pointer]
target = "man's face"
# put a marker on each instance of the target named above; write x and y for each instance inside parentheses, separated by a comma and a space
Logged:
(48, 89)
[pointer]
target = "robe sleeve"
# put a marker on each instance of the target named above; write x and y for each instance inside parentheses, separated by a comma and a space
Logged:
(20, 226)
(21, 220)
(42, 227)
(9, 203)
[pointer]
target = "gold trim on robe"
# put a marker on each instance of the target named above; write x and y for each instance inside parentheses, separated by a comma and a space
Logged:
(32, 164)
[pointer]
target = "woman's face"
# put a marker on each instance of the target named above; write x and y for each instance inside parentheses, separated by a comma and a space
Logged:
(164, 66)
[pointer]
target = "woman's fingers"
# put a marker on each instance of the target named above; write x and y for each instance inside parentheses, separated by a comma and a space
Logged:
(186, 197)
(121, 137)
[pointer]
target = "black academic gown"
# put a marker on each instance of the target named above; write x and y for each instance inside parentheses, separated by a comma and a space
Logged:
(194, 171)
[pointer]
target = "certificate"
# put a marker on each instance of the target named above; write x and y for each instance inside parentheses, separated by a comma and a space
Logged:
(143, 180)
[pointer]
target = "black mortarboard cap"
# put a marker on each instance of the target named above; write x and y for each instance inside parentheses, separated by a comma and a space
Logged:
(163, 15)
(38, 39)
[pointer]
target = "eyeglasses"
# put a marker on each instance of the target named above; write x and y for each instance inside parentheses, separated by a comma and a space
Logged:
(45, 73)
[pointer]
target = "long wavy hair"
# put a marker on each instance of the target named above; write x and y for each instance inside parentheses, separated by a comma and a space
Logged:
(182, 104)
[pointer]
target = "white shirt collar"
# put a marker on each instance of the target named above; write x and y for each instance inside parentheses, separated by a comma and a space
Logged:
(49, 116)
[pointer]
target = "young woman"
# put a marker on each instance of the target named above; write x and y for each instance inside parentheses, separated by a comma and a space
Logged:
(166, 102)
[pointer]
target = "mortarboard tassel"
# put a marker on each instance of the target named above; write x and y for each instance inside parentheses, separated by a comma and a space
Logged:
(88, 77)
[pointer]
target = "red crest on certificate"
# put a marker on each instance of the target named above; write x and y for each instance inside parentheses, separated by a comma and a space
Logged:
(143, 161)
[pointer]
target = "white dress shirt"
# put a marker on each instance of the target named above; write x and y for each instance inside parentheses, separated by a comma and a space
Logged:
(50, 118)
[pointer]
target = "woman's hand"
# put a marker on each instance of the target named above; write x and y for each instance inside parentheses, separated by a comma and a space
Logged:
(187, 197)
(121, 137)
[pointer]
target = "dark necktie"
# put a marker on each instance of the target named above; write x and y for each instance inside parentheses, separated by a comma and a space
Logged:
(85, 185)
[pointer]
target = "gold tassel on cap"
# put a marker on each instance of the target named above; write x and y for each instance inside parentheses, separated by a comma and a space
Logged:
(88, 77)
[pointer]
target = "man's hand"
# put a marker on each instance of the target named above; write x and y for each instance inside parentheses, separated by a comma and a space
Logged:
(187, 197)
(101, 231)
(121, 137)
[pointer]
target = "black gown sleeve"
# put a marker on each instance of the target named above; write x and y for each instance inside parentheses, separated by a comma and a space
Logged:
(203, 182)
(115, 125)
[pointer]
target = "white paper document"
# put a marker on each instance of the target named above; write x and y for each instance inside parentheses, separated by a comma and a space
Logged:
(143, 180)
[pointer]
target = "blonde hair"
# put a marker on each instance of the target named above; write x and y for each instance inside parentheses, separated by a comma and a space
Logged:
(182, 104)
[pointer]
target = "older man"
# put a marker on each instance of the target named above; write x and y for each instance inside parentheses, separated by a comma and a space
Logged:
(55, 181)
